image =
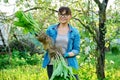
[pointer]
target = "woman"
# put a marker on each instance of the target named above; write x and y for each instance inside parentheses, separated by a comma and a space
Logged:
(65, 36)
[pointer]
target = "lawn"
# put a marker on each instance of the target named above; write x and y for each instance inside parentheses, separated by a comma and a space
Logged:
(30, 68)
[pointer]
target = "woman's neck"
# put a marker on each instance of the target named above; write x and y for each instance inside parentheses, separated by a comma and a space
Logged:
(63, 26)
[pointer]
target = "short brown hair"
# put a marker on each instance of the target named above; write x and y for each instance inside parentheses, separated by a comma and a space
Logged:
(66, 9)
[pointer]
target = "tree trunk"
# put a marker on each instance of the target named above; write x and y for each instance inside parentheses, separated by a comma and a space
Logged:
(101, 46)
(2, 38)
(101, 55)
(101, 39)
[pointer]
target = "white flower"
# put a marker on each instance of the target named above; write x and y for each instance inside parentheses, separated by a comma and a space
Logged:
(78, 57)
(111, 62)
(87, 50)
(81, 64)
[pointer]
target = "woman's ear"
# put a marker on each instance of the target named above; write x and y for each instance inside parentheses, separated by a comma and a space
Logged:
(70, 16)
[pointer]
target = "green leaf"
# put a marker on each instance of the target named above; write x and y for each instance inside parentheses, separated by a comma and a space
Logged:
(19, 14)
(5, 1)
(18, 23)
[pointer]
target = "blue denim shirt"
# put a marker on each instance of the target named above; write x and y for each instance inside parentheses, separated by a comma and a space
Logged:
(73, 45)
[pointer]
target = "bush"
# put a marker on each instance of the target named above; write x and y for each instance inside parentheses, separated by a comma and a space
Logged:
(18, 59)
(24, 46)
(115, 49)
(4, 61)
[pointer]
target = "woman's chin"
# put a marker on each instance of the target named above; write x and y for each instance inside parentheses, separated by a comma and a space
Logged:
(63, 22)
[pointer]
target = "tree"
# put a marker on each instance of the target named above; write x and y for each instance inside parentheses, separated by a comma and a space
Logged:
(85, 14)
(98, 34)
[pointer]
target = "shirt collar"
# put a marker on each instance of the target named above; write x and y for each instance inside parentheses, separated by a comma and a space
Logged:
(56, 26)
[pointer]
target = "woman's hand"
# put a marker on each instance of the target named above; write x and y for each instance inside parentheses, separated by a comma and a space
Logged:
(71, 54)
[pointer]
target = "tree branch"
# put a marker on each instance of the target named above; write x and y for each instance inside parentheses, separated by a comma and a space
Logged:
(98, 2)
(2, 38)
(87, 27)
(53, 10)
(95, 37)
(34, 8)
(104, 3)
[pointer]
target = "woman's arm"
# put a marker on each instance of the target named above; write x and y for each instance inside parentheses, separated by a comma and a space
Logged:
(76, 46)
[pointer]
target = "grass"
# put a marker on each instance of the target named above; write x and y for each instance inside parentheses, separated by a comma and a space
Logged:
(27, 72)
(112, 66)
(112, 61)
(36, 72)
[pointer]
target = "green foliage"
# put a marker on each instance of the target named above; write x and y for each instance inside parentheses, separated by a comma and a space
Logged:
(4, 61)
(26, 72)
(87, 69)
(61, 70)
(35, 59)
(26, 21)
(112, 61)
(13, 70)
(18, 59)
(45, 15)
(115, 48)
(26, 58)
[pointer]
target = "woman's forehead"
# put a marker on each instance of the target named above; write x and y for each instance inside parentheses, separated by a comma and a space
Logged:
(63, 12)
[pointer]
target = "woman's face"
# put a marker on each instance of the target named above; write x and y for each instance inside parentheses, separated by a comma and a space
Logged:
(63, 17)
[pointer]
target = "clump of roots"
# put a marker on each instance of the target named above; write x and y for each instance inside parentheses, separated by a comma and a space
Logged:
(48, 45)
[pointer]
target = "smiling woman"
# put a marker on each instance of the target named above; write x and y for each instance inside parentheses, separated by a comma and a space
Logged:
(65, 36)
(64, 16)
